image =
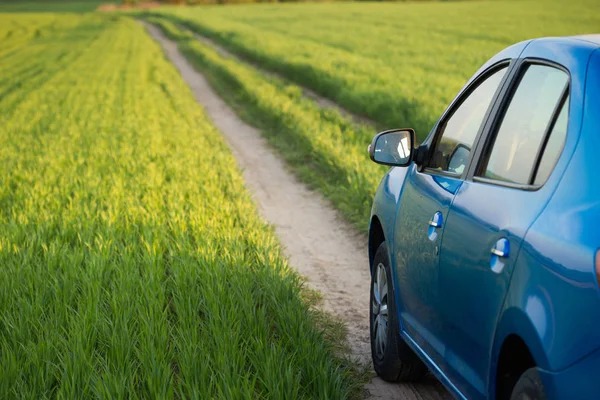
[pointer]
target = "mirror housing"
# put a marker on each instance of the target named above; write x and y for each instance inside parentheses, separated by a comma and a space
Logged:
(394, 147)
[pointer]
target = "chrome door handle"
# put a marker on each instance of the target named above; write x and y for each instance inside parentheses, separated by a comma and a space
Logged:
(501, 248)
(434, 224)
(498, 253)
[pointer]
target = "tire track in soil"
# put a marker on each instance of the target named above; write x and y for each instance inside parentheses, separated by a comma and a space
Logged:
(319, 244)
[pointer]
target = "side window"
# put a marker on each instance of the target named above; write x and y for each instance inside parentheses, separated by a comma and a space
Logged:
(459, 131)
(537, 109)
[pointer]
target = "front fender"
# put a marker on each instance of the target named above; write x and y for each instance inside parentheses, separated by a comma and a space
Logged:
(385, 205)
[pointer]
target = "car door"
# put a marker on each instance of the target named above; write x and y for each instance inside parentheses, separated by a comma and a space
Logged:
(502, 195)
(423, 207)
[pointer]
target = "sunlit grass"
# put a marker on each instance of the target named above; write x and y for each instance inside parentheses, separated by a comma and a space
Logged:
(328, 151)
(134, 264)
(400, 64)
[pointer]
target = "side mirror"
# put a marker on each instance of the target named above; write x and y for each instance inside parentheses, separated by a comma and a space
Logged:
(393, 147)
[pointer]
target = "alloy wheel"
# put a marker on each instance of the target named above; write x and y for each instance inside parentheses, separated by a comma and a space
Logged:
(379, 304)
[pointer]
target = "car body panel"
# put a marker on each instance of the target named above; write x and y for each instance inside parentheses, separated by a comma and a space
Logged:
(562, 293)
(577, 382)
(385, 204)
(547, 294)
(554, 272)
(474, 282)
(472, 230)
(425, 197)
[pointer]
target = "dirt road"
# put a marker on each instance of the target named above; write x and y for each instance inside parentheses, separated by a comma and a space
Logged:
(320, 245)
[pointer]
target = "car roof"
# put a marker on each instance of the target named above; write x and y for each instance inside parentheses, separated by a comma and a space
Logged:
(573, 41)
(594, 38)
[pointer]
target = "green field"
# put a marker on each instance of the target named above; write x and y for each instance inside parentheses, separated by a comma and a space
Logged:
(134, 264)
(399, 64)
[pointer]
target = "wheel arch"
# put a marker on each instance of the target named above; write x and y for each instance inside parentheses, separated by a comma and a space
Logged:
(517, 347)
(384, 210)
(376, 237)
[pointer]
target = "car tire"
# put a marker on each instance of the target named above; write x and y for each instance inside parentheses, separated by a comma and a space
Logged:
(393, 359)
(529, 387)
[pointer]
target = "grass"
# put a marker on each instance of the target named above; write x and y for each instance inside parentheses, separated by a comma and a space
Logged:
(134, 264)
(54, 6)
(326, 150)
(400, 64)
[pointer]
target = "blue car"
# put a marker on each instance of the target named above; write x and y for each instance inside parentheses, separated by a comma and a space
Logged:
(483, 240)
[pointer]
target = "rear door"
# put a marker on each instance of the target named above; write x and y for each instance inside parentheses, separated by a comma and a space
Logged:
(491, 213)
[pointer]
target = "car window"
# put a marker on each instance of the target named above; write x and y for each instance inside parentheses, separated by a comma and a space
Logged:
(523, 128)
(460, 130)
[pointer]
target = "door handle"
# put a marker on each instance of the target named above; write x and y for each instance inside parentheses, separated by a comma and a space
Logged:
(437, 220)
(435, 224)
(498, 253)
(501, 248)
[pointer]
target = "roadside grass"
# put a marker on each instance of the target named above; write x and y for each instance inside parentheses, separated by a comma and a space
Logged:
(399, 64)
(134, 264)
(325, 149)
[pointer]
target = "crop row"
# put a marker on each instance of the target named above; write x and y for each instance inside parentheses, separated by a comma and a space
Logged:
(399, 64)
(134, 264)
(326, 150)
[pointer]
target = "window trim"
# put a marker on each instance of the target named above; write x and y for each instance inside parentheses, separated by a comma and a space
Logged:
(512, 185)
(433, 171)
(507, 63)
(492, 129)
(540, 154)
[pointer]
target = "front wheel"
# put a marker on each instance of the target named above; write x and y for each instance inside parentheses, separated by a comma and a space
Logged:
(529, 387)
(393, 359)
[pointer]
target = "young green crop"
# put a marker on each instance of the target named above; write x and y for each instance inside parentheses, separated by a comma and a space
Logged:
(327, 151)
(398, 63)
(134, 264)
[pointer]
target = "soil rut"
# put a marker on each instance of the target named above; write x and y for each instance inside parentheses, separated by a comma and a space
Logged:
(320, 245)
